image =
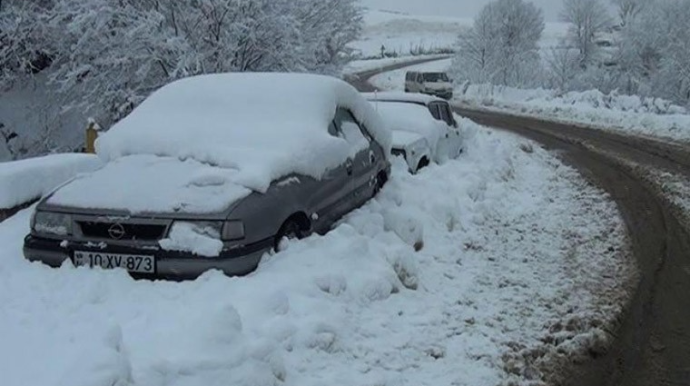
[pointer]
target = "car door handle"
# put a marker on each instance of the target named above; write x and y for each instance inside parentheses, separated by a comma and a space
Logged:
(348, 167)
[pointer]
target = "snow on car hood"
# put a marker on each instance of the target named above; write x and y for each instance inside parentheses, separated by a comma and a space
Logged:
(150, 184)
(402, 139)
(411, 117)
(261, 125)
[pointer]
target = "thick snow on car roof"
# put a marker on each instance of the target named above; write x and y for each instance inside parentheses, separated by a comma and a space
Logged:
(401, 97)
(263, 125)
(411, 117)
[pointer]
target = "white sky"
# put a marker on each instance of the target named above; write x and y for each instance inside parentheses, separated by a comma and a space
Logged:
(461, 8)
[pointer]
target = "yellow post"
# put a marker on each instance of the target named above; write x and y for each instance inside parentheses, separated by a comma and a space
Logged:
(91, 135)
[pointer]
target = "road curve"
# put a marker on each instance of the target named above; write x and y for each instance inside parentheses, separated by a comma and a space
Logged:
(653, 340)
(652, 343)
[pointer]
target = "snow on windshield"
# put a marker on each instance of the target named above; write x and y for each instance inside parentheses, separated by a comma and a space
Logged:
(264, 126)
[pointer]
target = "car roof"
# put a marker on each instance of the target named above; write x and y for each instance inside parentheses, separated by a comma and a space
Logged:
(264, 125)
(399, 96)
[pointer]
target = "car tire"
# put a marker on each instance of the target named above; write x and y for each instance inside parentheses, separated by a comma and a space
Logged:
(290, 230)
(380, 181)
(424, 162)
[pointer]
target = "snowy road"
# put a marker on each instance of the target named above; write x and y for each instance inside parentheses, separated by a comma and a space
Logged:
(515, 268)
(650, 180)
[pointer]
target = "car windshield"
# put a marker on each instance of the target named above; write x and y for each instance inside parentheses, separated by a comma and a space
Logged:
(435, 77)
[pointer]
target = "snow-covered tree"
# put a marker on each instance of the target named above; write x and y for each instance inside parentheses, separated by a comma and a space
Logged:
(24, 41)
(501, 48)
(562, 67)
(654, 51)
(628, 9)
(112, 54)
(587, 19)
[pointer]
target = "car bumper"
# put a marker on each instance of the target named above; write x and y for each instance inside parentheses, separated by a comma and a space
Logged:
(445, 94)
(169, 265)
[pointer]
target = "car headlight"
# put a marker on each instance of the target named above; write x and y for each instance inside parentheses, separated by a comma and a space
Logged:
(233, 230)
(52, 223)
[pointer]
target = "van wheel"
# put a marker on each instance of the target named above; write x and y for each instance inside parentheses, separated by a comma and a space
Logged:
(424, 162)
(290, 230)
(380, 181)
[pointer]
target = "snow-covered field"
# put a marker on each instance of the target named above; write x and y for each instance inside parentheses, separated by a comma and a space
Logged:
(481, 271)
(630, 114)
(402, 34)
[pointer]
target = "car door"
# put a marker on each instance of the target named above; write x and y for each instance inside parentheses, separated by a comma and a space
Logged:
(450, 142)
(361, 164)
(330, 196)
(456, 141)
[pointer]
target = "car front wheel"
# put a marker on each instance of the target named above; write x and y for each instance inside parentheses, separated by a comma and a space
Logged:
(291, 230)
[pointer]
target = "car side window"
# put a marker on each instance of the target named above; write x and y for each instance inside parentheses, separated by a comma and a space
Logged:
(433, 108)
(446, 116)
(332, 129)
(349, 129)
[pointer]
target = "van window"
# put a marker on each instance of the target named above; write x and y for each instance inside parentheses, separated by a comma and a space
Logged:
(409, 76)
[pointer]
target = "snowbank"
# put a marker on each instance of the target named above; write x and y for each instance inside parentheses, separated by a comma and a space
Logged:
(263, 126)
(474, 272)
(24, 181)
(632, 114)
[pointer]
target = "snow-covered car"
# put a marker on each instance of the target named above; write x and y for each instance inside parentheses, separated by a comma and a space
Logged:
(423, 127)
(431, 83)
(212, 172)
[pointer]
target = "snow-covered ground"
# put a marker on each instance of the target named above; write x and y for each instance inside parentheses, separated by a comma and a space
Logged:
(480, 271)
(630, 114)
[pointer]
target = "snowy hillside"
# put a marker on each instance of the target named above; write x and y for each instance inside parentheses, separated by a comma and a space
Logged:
(403, 34)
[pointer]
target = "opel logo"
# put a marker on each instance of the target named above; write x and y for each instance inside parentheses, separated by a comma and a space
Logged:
(116, 231)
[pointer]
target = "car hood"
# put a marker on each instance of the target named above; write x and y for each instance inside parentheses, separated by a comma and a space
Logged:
(144, 184)
(403, 139)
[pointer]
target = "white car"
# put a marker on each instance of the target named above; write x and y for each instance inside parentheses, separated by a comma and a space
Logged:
(423, 127)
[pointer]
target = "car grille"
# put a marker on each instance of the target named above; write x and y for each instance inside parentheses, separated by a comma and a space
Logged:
(116, 231)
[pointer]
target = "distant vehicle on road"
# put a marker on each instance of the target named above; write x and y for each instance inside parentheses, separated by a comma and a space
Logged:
(212, 172)
(431, 83)
(424, 128)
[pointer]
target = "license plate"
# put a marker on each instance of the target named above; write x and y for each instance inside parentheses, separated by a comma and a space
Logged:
(132, 263)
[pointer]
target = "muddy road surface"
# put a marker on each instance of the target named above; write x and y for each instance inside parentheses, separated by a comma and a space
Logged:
(652, 344)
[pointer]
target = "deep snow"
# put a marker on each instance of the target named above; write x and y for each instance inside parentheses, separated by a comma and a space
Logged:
(476, 272)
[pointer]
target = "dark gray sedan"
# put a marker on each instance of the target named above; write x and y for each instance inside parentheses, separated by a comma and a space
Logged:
(212, 172)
